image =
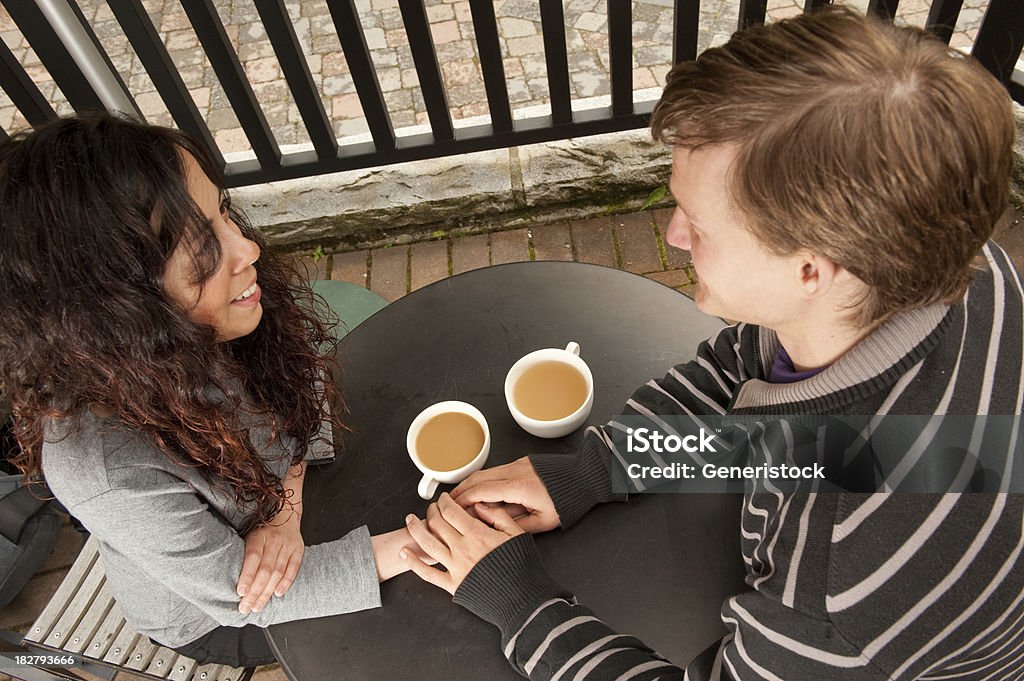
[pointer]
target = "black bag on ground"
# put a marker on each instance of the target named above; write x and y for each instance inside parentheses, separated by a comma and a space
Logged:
(28, 528)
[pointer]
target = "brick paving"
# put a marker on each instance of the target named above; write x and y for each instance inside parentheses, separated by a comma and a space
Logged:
(634, 242)
(452, 30)
(636, 236)
(511, 246)
(389, 272)
(594, 242)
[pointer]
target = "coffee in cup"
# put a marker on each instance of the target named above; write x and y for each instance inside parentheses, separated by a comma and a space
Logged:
(550, 392)
(447, 441)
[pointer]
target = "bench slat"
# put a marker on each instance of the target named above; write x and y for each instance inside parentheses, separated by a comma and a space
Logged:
(141, 654)
(122, 646)
(209, 672)
(162, 663)
(75, 610)
(233, 674)
(182, 669)
(82, 617)
(108, 630)
(82, 636)
(77, 574)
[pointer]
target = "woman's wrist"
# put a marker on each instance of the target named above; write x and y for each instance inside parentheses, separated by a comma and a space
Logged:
(386, 548)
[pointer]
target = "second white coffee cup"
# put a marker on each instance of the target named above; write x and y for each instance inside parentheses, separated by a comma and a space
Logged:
(431, 477)
(556, 427)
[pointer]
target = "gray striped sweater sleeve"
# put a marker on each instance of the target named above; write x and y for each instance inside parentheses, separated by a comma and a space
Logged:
(545, 633)
(577, 482)
(547, 636)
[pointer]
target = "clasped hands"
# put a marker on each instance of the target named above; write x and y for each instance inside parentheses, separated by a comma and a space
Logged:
(484, 511)
(487, 509)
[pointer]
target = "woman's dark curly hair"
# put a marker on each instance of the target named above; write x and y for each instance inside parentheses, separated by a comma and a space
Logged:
(91, 208)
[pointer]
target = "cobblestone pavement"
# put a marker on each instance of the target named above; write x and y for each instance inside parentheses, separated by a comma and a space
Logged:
(452, 29)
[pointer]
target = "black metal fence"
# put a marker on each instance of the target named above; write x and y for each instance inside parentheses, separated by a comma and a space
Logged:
(997, 46)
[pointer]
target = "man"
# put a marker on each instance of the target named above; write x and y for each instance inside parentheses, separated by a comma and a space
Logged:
(837, 180)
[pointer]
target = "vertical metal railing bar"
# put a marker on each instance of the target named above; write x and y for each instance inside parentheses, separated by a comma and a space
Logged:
(485, 25)
(556, 58)
(424, 57)
(620, 55)
(1000, 38)
(685, 28)
(752, 12)
(281, 33)
(364, 76)
(1016, 86)
(52, 53)
(885, 9)
(90, 56)
(22, 91)
(812, 6)
(210, 31)
(942, 16)
(146, 42)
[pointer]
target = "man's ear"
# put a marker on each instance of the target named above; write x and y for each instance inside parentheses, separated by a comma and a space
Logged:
(816, 274)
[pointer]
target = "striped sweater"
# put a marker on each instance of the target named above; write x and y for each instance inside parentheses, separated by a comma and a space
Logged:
(843, 585)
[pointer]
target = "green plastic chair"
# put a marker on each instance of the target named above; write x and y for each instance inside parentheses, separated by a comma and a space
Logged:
(351, 303)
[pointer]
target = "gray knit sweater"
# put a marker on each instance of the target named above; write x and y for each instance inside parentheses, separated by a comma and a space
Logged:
(170, 543)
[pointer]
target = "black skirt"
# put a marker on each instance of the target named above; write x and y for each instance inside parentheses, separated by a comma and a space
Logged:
(236, 646)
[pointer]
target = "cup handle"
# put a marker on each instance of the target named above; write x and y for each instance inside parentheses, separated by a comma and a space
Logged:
(427, 487)
(573, 347)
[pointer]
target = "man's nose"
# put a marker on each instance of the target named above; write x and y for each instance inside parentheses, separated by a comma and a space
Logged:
(678, 232)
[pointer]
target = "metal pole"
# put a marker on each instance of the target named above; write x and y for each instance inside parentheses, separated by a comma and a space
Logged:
(76, 40)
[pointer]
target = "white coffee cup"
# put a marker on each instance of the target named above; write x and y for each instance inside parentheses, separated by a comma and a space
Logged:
(558, 427)
(431, 478)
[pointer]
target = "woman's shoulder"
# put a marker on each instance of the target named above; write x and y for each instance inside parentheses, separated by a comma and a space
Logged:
(87, 455)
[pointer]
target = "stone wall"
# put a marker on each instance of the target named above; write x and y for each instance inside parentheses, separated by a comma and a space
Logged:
(484, 191)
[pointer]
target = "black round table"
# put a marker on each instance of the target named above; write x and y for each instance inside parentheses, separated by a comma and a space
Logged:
(657, 567)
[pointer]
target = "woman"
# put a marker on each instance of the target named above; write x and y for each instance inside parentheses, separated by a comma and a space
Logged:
(168, 378)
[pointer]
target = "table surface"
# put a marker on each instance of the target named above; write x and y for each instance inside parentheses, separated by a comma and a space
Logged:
(657, 567)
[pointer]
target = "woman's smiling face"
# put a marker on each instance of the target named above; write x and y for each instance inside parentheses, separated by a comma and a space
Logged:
(229, 301)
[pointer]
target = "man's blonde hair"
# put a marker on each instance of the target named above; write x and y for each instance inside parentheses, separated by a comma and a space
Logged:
(875, 146)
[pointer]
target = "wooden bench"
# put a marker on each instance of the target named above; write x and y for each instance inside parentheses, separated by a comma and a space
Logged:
(82, 620)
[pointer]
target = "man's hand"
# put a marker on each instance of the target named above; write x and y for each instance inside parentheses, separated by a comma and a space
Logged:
(514, 483)
(456, 540)
(273, 554)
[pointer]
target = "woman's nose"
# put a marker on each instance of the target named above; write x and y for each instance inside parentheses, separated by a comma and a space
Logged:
(247, 252)
(678, 232)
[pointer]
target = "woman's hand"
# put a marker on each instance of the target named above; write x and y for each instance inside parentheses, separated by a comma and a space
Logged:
(386, 550)
(456, 540)
(273, 554)
(518, 486)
